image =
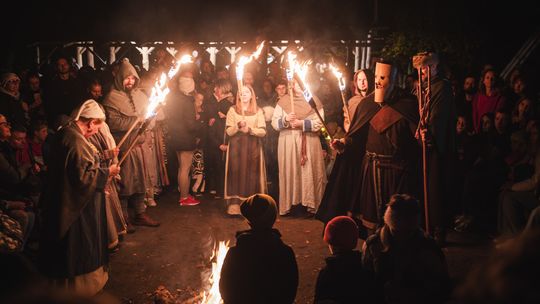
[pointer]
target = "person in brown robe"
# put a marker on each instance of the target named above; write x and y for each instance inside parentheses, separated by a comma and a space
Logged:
(73, 246)
(124, 105)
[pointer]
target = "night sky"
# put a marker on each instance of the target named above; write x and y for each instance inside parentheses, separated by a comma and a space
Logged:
(500, 28)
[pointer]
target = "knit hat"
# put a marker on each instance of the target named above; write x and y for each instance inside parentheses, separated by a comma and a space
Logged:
(341, 232)
(260, 210)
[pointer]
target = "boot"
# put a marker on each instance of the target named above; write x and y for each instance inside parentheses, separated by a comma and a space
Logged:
(129, 227)
(144, 220)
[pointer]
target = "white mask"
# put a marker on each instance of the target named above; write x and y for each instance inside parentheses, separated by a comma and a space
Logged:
(383, 81)
(186, 85)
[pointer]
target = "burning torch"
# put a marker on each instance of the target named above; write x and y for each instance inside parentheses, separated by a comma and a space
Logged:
(341, 84)
(240, 68)
(291, 58)
(301, 72)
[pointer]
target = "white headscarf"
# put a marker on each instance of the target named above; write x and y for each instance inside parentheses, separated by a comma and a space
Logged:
(89, 109)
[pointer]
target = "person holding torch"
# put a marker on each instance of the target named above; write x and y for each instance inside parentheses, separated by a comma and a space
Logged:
(124, 105)
(245, 170)
(302, 173)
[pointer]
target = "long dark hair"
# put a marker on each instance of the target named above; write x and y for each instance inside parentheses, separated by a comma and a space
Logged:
(370, 79)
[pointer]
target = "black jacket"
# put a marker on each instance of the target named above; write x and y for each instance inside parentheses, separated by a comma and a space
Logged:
(344, 280)
(259, 269)
(181, 124)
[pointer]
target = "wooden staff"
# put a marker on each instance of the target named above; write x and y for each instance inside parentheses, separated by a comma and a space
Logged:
(141, 130)
(127, 133)
(422, 105)
(239, 93)
(345, 105)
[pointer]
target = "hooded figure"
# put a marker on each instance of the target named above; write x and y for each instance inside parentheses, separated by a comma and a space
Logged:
(10, 103)
(73, 205)
(260, 268)
(338, 199)
(391, 149)
(125, 105)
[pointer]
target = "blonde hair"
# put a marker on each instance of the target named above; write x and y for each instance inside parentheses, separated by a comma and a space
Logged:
(252, 108)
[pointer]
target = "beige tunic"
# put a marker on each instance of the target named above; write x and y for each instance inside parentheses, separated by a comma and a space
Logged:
(245, 170)
(299, 184)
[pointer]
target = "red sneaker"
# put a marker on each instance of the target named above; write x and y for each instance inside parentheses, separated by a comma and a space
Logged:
(189, 201)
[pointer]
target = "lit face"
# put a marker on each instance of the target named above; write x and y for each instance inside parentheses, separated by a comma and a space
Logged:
(501, 122)
(382, 81)
(524, 107)
(486, 124)
(12, 85)
(41, 134)
(468, 84)
(362, 83)
(281, 90)
(519, 86)
(96, 91)
(129, 82)
(206, 68)
(34, 84)
(5, 128)
(245, 97)
(62, 66)
(18, 140)
(489, 80)
(461, 125)
(93, 127)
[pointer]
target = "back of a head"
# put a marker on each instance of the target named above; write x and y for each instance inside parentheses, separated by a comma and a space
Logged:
(260, 210)
(402, 212)
(341, 233)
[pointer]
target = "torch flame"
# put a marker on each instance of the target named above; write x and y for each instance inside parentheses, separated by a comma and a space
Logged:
(301, 70)
(213, 296)
(291, 57)
(245, 60)
(339, 76)
(160, 89)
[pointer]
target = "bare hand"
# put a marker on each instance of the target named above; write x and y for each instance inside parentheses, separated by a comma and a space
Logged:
(36, 169)
(241, 124)
(211, 122)
(197, 116)
(245, 129)
(338, 145)
(223, 147)
(114, 170)
(297, 123)
(290, 117)
(221, 115)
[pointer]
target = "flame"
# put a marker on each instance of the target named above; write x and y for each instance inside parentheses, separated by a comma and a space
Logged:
(245, 60)
(301, 70)
(339, 76)
(291, 57)
(212, 296)
(160, 89)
